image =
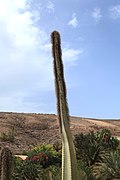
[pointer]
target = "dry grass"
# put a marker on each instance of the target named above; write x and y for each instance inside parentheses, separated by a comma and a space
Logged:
(33, 129)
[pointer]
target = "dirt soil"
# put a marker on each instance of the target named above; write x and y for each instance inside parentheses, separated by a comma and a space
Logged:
(33, 129)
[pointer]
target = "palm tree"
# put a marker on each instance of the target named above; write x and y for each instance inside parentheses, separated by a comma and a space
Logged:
(109, 169)
(87, 148)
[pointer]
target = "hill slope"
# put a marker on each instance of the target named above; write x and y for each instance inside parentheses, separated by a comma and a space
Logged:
(33, 129)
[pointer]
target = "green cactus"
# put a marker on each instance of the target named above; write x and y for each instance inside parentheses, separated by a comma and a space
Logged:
(69, 163)
(6, 164)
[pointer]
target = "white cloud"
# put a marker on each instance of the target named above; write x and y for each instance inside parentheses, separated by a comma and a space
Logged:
(25, 57)
(73, 22)
(96, 14)
(50, 7)
(25, 65)
(71, 55)
(115, 12)
(20, 24)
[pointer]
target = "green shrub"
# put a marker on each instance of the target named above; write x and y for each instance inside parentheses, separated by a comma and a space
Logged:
(82, 166)
(109, 168)
(51, 173)
(57, 146)
(44, 155)
(98, 155)
(91, 147)
(106, 140)
(27, 170)
(87, 148)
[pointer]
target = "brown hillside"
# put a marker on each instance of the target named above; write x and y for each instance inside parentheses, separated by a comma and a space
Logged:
(33, 129)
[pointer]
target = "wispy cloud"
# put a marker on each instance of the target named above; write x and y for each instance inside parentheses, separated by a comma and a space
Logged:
(50, 6)
(20, 23)
(25, 65)
(25, 56)
(72, 55)
(73, 22)
(96, 14)
(115, 12)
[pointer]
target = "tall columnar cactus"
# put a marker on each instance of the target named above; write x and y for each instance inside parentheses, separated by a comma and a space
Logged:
(6, 164)
(69, 164)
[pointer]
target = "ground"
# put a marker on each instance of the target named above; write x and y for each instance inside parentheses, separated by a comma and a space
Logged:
(33, 129)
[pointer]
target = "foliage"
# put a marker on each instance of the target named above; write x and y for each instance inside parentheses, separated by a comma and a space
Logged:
(109, 168)
(82, 166)
(98, 157)
(27, 170)
(105, 139)
(10, 136)
(51, 173)
(87, 148)
(44, 155)
(92, 147)
(40, 158)
(57, 146)
(43, 162)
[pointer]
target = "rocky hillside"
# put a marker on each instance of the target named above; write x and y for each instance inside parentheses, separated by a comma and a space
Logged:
(22, 131)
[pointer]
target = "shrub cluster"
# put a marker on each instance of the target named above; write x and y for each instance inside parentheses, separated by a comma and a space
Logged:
(9, 136)
(43, 162)
(98, 155)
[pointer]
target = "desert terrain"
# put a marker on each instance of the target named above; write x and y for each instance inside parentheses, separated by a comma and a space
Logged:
(32, 129)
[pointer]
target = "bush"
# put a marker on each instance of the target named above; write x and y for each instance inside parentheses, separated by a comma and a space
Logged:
(27, 170)
(87, 149)
(105, 139)
(98, 155)
(82, 166)
(44, 155)
(40, 158)
(10, 136)
(91, 147)
(57, 146)
(109, 168)
(43, 162)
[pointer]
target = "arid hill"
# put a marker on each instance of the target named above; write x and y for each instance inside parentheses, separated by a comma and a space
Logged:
(32, 129)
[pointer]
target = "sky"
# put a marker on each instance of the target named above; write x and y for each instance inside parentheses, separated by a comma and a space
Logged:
(90, 50)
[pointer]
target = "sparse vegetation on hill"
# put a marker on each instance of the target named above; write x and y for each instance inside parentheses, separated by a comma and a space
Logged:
(9, 136)
(33, 129)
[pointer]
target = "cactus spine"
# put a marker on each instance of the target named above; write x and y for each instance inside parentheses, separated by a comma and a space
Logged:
(6, 164)
(69, 164)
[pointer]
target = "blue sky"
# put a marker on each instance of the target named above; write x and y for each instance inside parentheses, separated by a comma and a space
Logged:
(91, 53)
